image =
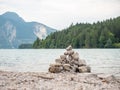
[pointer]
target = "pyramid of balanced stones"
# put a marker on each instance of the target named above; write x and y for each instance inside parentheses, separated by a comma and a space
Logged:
(69, 62)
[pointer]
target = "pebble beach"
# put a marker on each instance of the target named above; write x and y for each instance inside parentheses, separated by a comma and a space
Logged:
(57, 81)
(69, 72)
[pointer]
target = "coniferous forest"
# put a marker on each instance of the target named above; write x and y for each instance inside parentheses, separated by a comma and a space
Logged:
(105, 34)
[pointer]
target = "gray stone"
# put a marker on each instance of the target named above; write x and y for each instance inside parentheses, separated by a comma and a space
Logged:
(69, 48)
(84, 69)
(75, 56)
(63, 57)
(81, 63)
(55, 69)
(58, 60)
(69, 58)
(73, 69)
(64, 61)
(56, 65)
(74, 62)
(71, 52)
(66, 67)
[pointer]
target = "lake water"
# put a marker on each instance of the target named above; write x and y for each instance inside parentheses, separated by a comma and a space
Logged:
(38, 60)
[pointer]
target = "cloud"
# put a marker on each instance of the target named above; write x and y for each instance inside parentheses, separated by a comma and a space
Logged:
(61, 13)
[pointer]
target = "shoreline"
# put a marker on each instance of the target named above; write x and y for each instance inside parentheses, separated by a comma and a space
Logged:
(57, 81)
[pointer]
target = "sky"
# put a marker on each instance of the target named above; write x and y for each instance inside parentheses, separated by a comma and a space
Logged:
(59, 14)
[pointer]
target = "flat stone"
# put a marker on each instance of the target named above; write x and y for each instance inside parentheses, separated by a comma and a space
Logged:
(70, 52)
(64, 61)
(75, 56)
(73, 69)
(74, 62)
(63, 57)
(84, 69)
(54, 69)
(65, 53)
(56, 65)
(69, 58)
(66, 67)
(58, 60)
(69, 48)
(107, 77)
(82, 63)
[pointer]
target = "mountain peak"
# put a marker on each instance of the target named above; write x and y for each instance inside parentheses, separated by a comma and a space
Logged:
(10, 13)
(14, 31)
(13, 16)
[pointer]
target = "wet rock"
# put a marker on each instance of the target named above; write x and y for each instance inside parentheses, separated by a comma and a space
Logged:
(56, 65)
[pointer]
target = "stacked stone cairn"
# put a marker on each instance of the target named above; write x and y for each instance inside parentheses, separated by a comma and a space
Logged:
(69, 62)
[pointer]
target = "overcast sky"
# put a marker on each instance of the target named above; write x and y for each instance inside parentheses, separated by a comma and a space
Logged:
(59, 14)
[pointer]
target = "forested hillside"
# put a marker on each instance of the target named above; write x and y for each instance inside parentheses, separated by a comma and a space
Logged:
(105, 34)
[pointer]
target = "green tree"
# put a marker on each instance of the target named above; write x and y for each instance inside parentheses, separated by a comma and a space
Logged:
(87, 41)
(108, 43)
(97, 35)
(37, 43)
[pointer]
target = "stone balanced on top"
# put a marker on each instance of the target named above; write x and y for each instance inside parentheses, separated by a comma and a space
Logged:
(69, 62)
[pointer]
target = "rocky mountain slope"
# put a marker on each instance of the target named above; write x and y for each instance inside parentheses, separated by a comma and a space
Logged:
(15, 31)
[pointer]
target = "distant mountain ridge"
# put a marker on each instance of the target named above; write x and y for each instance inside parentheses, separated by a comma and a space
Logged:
(14, 31)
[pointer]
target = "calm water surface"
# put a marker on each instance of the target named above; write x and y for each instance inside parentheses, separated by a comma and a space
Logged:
(38, 60)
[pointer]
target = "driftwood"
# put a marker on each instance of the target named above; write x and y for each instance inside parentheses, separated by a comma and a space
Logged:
(43, 76)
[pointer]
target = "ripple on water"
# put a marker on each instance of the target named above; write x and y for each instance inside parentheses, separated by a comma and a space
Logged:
(101, 60)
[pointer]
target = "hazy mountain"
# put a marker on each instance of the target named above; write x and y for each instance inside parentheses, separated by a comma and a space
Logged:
(15, 31)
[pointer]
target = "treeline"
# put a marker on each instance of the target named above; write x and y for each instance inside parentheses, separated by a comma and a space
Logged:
(105, 34)
(25, 46)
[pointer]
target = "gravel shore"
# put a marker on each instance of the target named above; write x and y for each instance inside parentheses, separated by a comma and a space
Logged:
(57, 81)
